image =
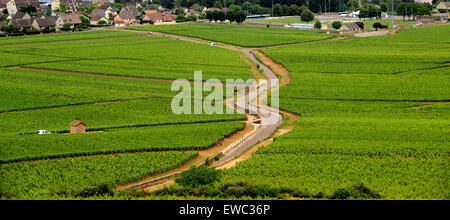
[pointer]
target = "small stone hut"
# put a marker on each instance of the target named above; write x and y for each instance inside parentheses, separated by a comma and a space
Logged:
(77, 127)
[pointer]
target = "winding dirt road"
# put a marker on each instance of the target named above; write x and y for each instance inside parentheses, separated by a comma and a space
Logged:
(270, 119)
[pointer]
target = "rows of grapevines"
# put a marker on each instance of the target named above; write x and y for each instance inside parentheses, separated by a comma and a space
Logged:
(156, 138)
(82, 175)
(358, 126)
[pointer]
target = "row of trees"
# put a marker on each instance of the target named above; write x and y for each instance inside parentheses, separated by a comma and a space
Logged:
(231, 15)
(285, 10)
(266, 5)
(412, 9)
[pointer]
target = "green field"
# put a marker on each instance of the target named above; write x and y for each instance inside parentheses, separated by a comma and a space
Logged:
(132, 115)
(374, 111)
(368, 24)
(124, 54)
(82, 176)
(240, 35)
(279, 20)
(153, 138)
(358, 125)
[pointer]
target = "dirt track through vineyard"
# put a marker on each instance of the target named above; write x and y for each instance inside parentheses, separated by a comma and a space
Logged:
(249, 146)
(247, 141)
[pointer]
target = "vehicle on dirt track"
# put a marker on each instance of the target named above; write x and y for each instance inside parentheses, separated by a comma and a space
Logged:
(42, 132)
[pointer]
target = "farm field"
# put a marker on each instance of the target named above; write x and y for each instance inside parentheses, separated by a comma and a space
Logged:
(153, 138)
(368, 24)
(278, 20)
(122, 53)
(239, 35)
(131, 119)
(372, 122)
(83, 176)
(361, 118)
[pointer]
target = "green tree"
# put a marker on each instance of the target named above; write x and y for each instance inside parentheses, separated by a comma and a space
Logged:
(66, 27)
(256, 9)
(307, 15)
(285, 10)
(295, 10)
(29, 9)
(240, 16)
(336, 25)
(210, 15)
(221, 16)
(353, 5)
(424, 10)
(227, 3)
(230, 16)
(116, 5)
(217, 4)
(215, 15)
(63, 7)
(234, 8)
(197, 176)
(277, 10)
(302, 8)
(10, 29)
(85, 21)
(383, 7)
(318, 25)
(247, 6)
(91, 8)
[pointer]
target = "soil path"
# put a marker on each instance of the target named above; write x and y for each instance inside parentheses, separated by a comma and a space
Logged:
(428, 104)
(264, 133)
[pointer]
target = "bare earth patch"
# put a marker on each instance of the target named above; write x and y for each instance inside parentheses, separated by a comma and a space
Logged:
(429, 104)
(276, 67)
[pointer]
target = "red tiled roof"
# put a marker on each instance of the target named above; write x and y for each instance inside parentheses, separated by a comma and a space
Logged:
(96, 18)
(168, 18)
(153, 16)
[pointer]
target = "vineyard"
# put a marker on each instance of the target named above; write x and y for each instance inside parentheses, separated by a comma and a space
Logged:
(246, 36)
(129, 121)
(153, 138)
(82, 176)
(374, 114)
(361, 122)
(125, 54)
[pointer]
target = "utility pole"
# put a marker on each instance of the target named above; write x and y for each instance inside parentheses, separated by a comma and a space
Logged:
(329, 5)
(272, 8)
(225, 1)
(392, 9)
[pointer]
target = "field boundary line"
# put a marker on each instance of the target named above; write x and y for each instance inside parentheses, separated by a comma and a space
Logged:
(119, 151)
(120, 76)
(83, 103)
